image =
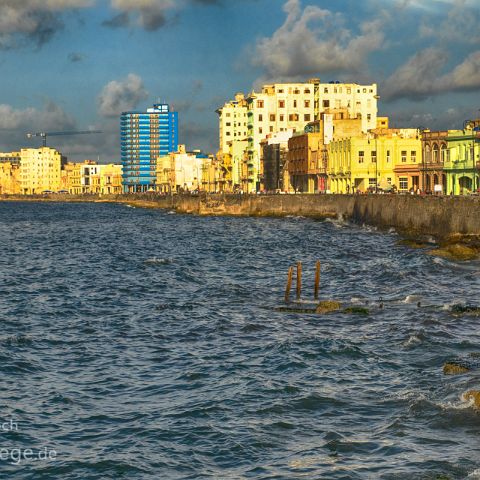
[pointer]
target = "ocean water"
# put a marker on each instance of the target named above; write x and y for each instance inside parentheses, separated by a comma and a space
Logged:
(142, 344)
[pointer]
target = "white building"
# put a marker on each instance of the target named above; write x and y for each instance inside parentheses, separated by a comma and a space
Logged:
(279, 107)
(233, 121)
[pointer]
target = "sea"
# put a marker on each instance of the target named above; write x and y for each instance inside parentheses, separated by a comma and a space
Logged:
(143, 344)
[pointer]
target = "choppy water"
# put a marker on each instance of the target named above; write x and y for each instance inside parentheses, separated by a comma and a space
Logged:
(140, 344)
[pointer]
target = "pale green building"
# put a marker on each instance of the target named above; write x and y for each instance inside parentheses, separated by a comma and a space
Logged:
(461, 165)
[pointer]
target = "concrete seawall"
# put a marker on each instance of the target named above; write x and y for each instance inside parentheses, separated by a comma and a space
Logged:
(438, 216)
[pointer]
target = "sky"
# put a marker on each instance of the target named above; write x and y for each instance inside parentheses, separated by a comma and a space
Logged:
(77, 64)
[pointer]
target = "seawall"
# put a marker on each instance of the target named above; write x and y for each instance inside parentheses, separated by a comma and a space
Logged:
(437, 216)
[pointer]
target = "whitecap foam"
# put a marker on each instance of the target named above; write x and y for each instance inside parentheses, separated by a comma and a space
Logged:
(157, 261)
(475, 474)
(412, 341)
(412, 298)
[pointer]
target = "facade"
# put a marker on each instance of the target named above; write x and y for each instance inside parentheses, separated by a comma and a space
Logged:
(180, 171)
(10, 173)
(308, 152)
(232, 122)
(383, 159)
(145, 136)
(40, 170)
(274, 162)
(461, 164)
(111, 179)
(89, 177)
(434, 156)
(283, 106)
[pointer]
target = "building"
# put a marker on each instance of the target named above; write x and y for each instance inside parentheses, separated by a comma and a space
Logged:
(111, 179)
(10, 173)
(89, 177)
(40, 170)
(308, 152)
(213, 180)
(232, 122)
(461, 165)
(180, 171)
(382, 159)
(274, 162)
(434, 156)
(145, 136)
(282, 106)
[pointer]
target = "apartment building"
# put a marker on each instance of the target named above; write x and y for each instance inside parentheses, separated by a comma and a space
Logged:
(145, 136)
(40, 170)
(232, 122)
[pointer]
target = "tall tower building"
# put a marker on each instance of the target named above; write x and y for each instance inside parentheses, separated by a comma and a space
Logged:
(145, 136)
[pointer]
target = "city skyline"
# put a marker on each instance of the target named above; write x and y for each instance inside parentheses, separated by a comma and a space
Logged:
(76, 64)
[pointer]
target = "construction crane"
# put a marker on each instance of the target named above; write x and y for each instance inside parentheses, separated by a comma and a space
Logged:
(44, 135)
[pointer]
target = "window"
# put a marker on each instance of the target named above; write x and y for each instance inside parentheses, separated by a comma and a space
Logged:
(293, 117)
(296, 91)
(280, 90)
(388, 156)
(389, 180)
(369, 116)
(374, 156)
(282, 118)
(227, 134)
(259, 103)
(260, 130)
(228, 124)
(271, 128)
(307, 103)
(260, 118)
(372, 182)
(404, 156)
(413, 155)
(326, 103)
(306, 117)
(361, 156)
(403, 183)
(364, 90)
(325, 90)
(272, 117)
(349, 91)
(281, 104)
(307, 91)
(294, 104)
(227, 114)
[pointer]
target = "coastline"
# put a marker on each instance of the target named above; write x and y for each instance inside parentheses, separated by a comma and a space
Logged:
(412, 216)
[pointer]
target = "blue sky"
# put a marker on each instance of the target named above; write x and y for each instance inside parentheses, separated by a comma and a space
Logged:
(76, 64)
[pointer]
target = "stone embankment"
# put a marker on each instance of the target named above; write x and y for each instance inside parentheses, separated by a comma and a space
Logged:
(411, 215)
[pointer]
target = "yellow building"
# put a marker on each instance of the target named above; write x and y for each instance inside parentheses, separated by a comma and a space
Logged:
(89, 177)
(307, 151)
(40, 170)
(111, 179)
(10, 173)
(370, 162)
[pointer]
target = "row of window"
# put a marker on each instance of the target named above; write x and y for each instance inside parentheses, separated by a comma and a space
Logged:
(413, 156)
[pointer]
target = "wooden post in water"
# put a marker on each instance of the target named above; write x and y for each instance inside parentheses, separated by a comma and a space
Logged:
(317, 281)
(299, 280)
(289, 285)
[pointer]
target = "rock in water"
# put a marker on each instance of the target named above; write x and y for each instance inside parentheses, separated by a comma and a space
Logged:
(327, 306)
(473, 396)
(458, 366)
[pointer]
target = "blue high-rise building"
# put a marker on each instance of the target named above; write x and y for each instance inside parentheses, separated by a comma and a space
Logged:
(145, 136)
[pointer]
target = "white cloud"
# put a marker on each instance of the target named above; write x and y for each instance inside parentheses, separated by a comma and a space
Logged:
(123, 95)
(315, 40)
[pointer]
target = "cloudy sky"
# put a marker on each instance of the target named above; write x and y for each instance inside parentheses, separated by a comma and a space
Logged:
(76, 64)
